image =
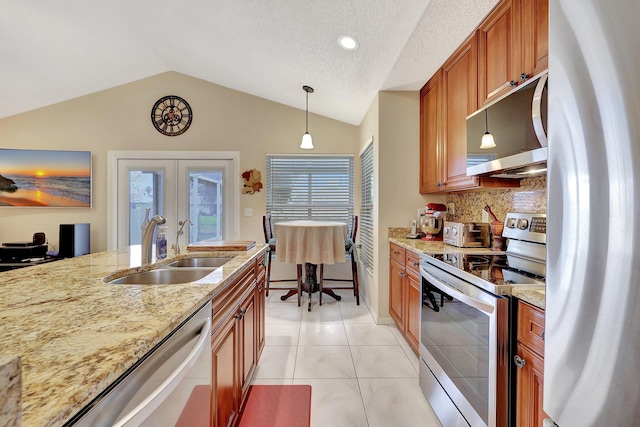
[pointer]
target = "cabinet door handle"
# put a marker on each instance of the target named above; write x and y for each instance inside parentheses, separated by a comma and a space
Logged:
(513, 83)
(524, 76)
(261, 263)
(395, 252)
(416, 263)
(260, 288)
(519, 361)
(241, 314)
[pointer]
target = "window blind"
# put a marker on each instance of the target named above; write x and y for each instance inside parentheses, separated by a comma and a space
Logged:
(310, 187)
(366, 207)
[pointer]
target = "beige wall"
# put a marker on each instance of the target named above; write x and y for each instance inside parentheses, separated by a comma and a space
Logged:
(119, 119)
(394, 122)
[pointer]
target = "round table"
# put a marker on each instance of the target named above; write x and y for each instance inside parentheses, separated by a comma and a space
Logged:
(310, 242)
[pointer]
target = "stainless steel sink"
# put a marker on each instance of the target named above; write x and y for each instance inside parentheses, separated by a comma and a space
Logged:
(200, 262)
(163, 276)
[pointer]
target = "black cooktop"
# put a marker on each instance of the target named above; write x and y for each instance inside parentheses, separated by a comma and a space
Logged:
(498, 269)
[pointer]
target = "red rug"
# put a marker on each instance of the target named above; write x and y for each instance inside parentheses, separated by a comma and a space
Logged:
(277, 406)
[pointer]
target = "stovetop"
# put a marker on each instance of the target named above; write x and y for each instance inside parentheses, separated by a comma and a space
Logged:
(496, 269)
(524, 262)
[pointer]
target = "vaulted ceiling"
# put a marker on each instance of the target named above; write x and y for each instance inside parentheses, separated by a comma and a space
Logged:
(52, 51)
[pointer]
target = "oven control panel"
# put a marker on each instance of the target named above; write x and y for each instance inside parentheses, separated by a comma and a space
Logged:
(526, 226)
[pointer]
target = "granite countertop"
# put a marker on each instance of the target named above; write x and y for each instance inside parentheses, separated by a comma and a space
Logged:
(75, 334)
(534, 295)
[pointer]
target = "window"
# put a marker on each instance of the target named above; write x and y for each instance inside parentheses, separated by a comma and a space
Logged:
(366, 206)
(310, 187)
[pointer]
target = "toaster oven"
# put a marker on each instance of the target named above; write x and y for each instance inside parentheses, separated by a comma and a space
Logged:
(467, 234)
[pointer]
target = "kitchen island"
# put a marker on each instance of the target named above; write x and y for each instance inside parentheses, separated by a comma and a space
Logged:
(76, 334)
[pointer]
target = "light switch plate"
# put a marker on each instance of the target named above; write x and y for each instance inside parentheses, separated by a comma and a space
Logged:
(248, 212)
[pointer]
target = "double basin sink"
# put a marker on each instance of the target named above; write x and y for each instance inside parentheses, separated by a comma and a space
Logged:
(182, 271)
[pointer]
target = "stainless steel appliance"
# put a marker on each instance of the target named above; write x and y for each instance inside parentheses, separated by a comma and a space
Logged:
(518, 125)
(465, 349)
(170, 386)
(467, 234)
(592, 330)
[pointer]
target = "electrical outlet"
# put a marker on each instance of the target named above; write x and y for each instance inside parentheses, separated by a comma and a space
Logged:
(248, 212)
(485, 216)
(451, 208)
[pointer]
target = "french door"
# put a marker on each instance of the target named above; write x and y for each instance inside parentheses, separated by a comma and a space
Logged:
(180, 186)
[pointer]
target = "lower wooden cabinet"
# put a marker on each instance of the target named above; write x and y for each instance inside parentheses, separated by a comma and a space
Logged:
(405, 294)
(237, 339)
(529, 361)
(224, 374)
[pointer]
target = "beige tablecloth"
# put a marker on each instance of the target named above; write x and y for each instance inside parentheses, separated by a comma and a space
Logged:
(317, 242)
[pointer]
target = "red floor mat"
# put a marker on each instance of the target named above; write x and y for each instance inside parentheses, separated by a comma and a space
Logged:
(277, 406)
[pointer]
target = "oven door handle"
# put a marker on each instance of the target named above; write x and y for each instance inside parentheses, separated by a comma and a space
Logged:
(455, 293)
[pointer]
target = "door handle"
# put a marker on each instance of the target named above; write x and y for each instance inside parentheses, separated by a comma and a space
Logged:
(519, 361)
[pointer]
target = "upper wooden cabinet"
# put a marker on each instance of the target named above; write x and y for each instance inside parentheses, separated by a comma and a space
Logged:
(512, 46)
(431, 135)
(445, 102)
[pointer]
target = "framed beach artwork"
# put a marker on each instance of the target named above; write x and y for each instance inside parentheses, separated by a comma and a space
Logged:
(45, 178)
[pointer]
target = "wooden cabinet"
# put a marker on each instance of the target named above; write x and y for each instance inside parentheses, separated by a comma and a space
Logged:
(236, 342)
(445, 102)
(224, 356)
(431, 135)
(513, 45)
(261, 305)
(405, 294)
(529, 361)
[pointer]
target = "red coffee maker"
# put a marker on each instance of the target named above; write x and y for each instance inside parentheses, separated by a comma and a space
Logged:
(432, 221)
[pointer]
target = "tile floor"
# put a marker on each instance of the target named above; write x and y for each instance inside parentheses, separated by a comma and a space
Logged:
(361, 374)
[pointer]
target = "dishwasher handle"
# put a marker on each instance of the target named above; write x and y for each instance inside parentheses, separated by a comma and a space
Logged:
(457, 294)
(151, 402)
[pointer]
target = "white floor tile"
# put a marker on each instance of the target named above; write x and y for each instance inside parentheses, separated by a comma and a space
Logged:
(382, 362)
(361, 374)
(322, 334)
(364, 334)
(272, 381)
(276, 362)
(396, 402)
(282, 334)
(356, 314)
(325, 313)
(324, 362)
(335, 402)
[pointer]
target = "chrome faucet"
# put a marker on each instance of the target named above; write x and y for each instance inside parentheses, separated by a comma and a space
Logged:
(181, 224)
(147, 237)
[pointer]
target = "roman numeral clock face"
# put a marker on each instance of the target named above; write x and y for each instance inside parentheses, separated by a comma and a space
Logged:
(171, 115)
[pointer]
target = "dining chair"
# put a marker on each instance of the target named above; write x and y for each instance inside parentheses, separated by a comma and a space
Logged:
(350, 252)
(270, 240)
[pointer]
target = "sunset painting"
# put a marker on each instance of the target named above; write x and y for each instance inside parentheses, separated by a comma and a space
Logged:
(45, 178)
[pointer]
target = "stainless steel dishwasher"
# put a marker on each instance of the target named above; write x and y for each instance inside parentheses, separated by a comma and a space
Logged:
(170, 386)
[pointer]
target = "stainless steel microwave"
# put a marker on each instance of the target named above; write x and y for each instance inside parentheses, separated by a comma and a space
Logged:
(517, 123)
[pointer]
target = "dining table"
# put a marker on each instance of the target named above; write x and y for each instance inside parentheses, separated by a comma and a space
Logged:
(310, 243)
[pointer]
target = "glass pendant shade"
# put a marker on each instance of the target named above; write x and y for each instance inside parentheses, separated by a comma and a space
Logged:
(307, 141)
(487, 141)
(487, 138)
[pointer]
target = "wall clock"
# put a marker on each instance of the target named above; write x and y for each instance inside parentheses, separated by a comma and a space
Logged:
(171, 115)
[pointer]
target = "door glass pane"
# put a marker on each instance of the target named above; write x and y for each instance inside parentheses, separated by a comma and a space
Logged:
(145, 192)
(205, 205)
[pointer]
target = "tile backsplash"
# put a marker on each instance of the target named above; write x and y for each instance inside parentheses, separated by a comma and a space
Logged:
(531, 197)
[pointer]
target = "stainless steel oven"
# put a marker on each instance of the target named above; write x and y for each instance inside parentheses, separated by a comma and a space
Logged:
(464, 350)
(466, 336)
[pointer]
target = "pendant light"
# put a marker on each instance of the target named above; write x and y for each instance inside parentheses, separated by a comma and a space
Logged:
(307, 142)
(487, 138)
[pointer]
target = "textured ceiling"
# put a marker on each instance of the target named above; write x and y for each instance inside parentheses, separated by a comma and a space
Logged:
(52, 51)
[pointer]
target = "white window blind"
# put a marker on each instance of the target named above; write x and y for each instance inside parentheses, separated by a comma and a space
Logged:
(366, 207)
(310, 187)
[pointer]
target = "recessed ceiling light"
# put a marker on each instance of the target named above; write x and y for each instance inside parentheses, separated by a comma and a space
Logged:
(348, 43)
